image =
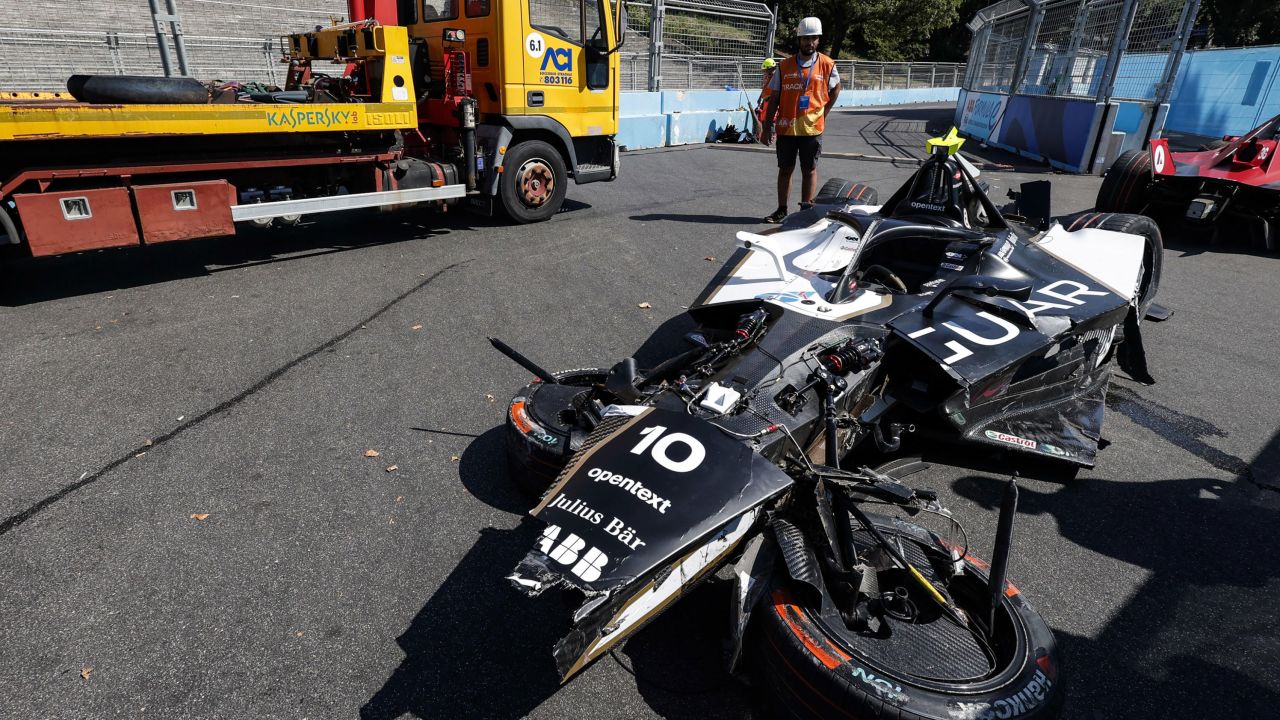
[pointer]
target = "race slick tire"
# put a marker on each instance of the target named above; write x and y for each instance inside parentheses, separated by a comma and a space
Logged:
(533, 182)
(836, 191)
(1152, 258)
(541, 433)
(811, 672)
(1124, 189)
(840, 191)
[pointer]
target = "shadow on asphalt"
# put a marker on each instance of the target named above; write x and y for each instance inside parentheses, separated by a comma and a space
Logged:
(25, 280)
(1205, 543)
(483, 471)
(696, 218)
(680, 660)
(478, 648)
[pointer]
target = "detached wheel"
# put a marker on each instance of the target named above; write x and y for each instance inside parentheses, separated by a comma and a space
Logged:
(1152, 256)
(836, 191)
(1124, 189)
(926, 668)
(841, 191)
(534, 182)
(542, 428)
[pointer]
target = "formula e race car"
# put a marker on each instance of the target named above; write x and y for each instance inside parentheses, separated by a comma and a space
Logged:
(817, 351)
(1234, 182)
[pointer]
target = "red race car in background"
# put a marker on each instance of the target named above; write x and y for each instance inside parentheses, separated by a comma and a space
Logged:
(1233, 182)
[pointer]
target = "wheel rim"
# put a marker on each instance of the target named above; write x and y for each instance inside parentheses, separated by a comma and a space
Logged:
(535, 182)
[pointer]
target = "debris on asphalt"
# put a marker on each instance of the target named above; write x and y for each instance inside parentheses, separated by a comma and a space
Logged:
(144, 452)
(199, 516)
(488, 397)
(416, 327)
(709, 258)
(85, 673)
(455, 458)
(147, 443)
(644, 306)
(392, 468)
(371, 453)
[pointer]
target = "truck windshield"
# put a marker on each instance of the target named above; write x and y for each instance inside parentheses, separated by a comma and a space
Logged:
(578, 21)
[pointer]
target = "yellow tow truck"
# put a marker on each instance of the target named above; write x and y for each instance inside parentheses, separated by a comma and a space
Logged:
(492, 103)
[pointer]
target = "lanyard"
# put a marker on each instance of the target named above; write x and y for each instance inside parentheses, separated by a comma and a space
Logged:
(807, 78)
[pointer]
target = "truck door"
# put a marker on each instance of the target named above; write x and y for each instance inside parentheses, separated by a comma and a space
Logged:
(568, 73)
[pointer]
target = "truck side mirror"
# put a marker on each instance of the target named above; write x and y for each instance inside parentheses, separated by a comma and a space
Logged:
(620, 25)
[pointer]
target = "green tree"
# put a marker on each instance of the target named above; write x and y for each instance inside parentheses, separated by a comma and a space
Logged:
(1232, 23)
(872, 29)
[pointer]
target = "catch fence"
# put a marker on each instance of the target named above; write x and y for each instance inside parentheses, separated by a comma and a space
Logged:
(1101, 49)
(671, 45)
(1120, 55)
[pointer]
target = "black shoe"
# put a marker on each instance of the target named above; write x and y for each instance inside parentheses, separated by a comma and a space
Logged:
(778, 216)
(805, 206)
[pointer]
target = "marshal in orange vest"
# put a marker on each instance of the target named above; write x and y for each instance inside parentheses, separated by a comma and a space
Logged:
(792, 118)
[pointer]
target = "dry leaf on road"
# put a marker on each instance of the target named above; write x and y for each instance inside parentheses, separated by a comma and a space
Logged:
(148, 442)
(644, 306)
(455, 458)
(371, 453)
(392, 468)
(199, 516)
(85, 673)
(416, 327)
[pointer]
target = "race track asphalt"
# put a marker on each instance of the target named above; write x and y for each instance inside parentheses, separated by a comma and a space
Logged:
(245, 378)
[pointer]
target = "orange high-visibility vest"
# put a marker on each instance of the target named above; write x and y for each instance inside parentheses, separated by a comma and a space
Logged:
(796, 82)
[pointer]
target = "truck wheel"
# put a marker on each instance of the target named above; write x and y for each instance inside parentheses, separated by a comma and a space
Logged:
(534, 182)
(1124, 189)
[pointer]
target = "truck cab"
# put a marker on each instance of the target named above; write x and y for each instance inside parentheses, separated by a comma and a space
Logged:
(544, 74)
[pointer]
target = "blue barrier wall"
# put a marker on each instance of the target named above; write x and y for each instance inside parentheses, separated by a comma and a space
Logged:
(676, 117)
(1225, 92)
(1053, 129)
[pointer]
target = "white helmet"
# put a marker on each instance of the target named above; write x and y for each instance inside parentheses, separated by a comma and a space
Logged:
(809, 26)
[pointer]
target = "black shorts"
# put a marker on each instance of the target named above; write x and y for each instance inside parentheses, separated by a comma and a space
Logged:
(808, 147)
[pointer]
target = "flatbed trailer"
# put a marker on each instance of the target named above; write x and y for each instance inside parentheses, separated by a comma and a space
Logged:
(398, 123)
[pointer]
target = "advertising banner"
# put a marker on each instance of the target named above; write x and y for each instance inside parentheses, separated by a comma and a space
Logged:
(981, 114)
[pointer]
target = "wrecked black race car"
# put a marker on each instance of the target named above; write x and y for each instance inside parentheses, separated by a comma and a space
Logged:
(817, 349)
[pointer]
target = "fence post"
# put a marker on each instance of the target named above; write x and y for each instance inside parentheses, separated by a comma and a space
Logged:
(1121, 43)
(162, 39)
(933, 75)
(1165, 88)
(1073, 49)
(271, 66)
(657, 11)
(773, 29)
(1024, 50)
(113, 47)
(179, 45)
(908, 86)
(881, 76)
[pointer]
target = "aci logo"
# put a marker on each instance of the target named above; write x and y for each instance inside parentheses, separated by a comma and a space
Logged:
(560, 58)
(557, 63)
